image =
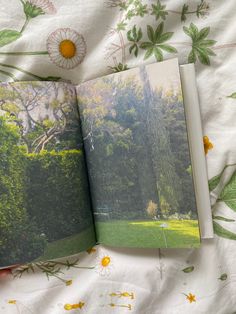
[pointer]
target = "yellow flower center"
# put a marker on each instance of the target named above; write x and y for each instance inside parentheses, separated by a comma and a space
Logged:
(105, 261)
(67, 49)
(68, 307)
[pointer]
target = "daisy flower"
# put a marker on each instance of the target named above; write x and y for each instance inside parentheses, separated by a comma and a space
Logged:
(104, 265)
(66, 48)
(33, 8)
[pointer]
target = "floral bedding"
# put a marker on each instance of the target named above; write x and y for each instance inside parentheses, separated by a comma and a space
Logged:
(79, 40)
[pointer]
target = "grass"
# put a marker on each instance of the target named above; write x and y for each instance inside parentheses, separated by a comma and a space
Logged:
(176, 233)
(69, 246)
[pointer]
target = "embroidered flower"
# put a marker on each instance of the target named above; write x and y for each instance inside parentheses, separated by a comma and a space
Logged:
(207, 144)
(191, 297)
(68, 282)
(104, 265)
(33, 8)
(66, 48)
(69, 307)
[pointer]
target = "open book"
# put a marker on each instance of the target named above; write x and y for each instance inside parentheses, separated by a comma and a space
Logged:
(105, 162)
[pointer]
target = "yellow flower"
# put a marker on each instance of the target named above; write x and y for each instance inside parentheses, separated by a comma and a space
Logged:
(69, 307)
(105, 261)
(207, 144)
(104, 265)
(69, 282)
(66, 48)
(12, 302)
(191, 297)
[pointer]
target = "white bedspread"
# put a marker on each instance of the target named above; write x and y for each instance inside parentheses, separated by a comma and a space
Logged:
(136, 281)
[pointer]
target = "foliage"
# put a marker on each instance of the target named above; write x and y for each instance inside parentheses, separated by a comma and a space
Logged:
(156, 42)
(57, 193)
(55, 127)
(174, 120)
(19, 240)
(43, 182)
(7, 36)
(200, 44)
(49, 268)
(188, 269)
(227, 195)
(132, 135)
(134, 36)
(151, 209)
(134, 9)
(222, 232)
(119, 67)
(159, 10)
(233, 95)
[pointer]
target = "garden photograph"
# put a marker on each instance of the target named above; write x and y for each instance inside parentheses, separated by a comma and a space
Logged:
(138, 159)
(45, 209)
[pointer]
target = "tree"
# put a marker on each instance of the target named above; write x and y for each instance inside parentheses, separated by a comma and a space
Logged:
(151, 209)
(18, 236)
(46, 114)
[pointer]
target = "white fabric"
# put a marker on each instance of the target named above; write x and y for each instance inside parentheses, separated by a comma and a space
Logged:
(155, 278)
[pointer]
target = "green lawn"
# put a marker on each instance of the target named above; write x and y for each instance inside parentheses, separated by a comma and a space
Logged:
(69, 246)
(175, 234)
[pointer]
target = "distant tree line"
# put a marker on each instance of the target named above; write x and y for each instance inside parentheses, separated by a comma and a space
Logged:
(137, 148)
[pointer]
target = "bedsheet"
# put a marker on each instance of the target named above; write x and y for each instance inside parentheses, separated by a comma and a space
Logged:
(113, 35)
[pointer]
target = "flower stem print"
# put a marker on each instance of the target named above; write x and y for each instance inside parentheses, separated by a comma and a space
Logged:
(32, 9)
(225, 194)
(8, 74)
(49, 268)
(135, 8)
(37, 77)
(122, 294)
(128, 306)
(202, 9)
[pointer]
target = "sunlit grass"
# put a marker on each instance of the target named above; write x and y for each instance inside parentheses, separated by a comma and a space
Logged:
(170, 233)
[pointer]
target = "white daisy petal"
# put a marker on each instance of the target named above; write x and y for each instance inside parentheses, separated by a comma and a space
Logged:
(66, 47)
(45, 5)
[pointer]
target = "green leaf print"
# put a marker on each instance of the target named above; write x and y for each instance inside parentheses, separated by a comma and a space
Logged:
(200, 44)
(223, 218)
(213, 182)
(188, 269)
(223, 277)
(233, 95)
(222, 232)
(155, 44)
(228, 194)
(134, 36)
(159, 11)
(7, 36)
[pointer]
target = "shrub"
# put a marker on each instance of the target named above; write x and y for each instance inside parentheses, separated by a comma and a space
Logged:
(57, 193)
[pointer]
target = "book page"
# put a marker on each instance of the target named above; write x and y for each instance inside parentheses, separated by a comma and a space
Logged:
(192, 111)
(45, 210)
(137, 153)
